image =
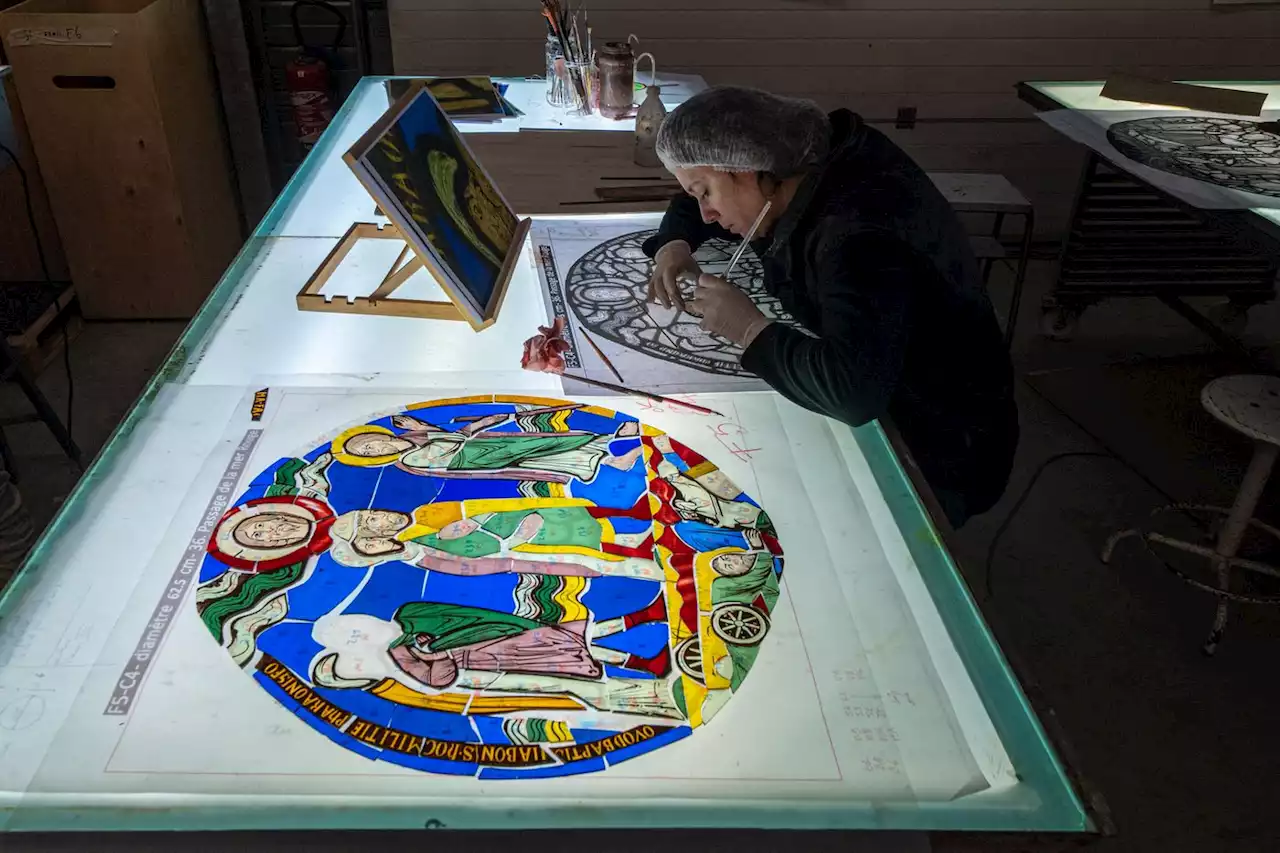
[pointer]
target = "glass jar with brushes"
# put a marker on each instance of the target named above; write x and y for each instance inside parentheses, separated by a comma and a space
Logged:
(571, 84)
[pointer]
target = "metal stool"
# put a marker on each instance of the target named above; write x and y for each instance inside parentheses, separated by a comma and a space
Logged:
(1250, 405)
(973, 192)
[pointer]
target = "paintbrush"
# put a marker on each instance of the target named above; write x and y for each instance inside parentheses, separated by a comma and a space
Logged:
(555, 19)
(557, 15)
(742, 247)
(590, 58)
(635, 392)
(603, 357)
(691, 305)
(549, 13)
(575, 38)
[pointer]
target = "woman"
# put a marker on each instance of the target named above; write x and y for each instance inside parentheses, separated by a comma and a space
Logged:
(862, 250)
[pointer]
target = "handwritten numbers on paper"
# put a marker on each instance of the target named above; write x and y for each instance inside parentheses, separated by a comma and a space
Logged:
(848, 676)
(877, 764)
(899, 697)
(858, 708)
(732, 437)
(880, 734)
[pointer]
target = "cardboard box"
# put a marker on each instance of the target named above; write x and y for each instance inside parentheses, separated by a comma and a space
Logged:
(123, 114)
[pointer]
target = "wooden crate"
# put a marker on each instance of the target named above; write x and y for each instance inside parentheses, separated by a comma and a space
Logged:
(123, 114)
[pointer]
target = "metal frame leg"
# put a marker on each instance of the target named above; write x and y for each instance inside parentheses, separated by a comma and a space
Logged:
(1255, 480)
(6, 453)
(40, 403)
(1019, 277)
(988, 264)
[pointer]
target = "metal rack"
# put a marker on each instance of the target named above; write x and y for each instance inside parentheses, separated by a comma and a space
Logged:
(364, 48)
(1128, 239)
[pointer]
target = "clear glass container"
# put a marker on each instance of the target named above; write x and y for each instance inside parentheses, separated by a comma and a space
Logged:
(561, 90)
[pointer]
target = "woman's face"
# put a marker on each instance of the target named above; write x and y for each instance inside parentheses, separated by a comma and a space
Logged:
(732, 199)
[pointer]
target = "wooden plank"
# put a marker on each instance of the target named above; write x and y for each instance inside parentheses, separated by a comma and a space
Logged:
(885, 106)
(971, 79)
(399, 7)
(1013, 134)
(844, 24)
(543, 152)
(508, 268)
(1145, 90)
(542, 149)
(309, 298)
(41, 352)
(541, 172)
(523, 56)
(979, 191)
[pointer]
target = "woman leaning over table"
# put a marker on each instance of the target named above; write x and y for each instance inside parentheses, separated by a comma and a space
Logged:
(865, 253)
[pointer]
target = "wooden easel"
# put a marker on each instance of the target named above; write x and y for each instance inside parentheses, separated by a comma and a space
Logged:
(381, 301)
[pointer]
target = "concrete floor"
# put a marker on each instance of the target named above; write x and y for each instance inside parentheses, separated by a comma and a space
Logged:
(1182, 748)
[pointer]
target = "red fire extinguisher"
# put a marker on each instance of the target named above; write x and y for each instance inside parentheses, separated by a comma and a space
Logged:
(307, 77)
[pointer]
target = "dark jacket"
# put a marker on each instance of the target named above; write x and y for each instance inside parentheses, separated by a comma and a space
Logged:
(872, 259)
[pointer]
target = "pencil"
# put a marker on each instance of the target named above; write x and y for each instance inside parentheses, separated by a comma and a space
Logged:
(603, 357)
(638, 393)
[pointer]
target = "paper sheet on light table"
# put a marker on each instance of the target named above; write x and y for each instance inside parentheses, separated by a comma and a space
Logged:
(855, 648)
(1089, 128)
(594, 274)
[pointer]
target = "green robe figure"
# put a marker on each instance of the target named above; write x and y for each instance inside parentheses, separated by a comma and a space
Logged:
(482, 453)
(580, 530)
(440, 639)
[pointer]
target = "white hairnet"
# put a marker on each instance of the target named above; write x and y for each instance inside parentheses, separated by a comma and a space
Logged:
(736, 129)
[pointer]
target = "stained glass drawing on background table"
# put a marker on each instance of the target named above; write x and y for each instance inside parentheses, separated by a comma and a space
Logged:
(1207, 160)
(1235, 153)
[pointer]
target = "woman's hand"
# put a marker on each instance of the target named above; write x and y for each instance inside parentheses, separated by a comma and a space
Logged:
(672, 261)
(727, 311)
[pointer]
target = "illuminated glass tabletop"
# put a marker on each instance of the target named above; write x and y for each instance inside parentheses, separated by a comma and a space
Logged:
(878, 698)
(1087, 94)
(1078, 110)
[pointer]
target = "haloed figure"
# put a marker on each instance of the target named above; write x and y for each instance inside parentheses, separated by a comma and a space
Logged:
(372, 531)
(272, 530)
(374, 444)
(860, 248)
